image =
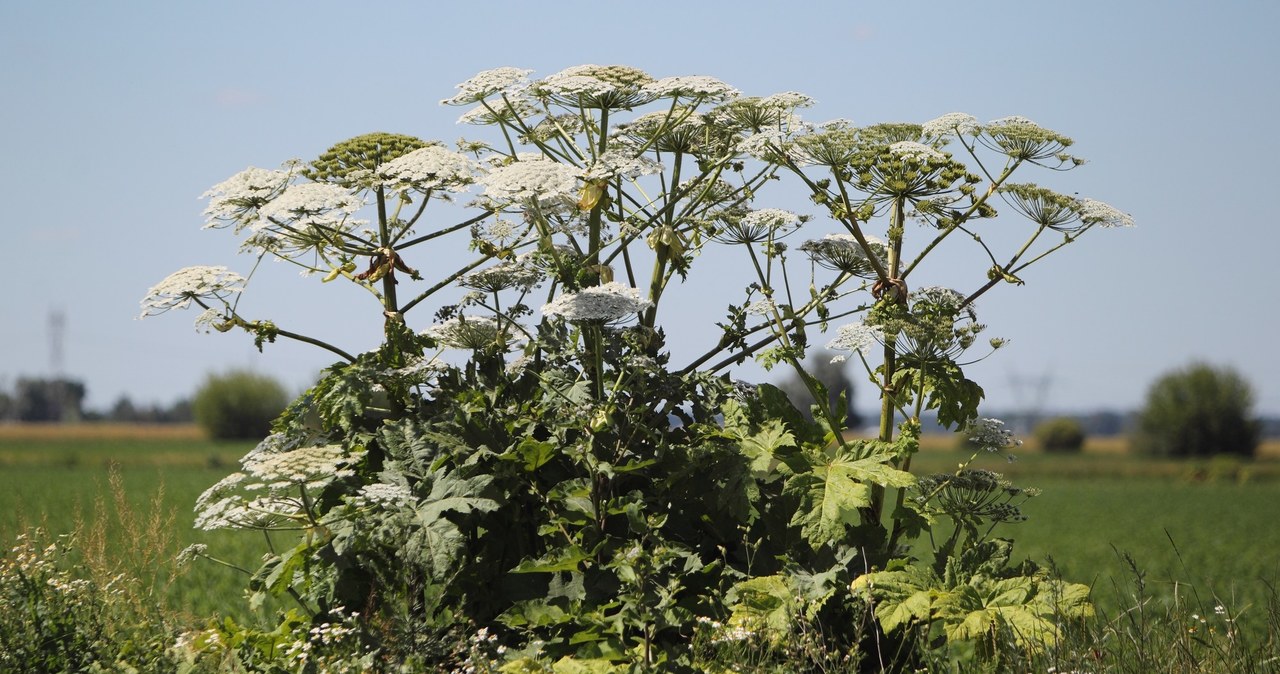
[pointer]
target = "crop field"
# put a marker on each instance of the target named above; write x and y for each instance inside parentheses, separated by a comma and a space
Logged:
(1202, 530)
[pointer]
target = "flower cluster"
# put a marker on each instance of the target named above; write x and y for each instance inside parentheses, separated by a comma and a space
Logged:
(505, 80)
(854, 337)
(606, 303)
(465, 332)
(322, 206)
(534, 180)
(594, 86)
(238, 198)
(283, 474)
(199, 284)
(843, 253)
(991, 435)
(951, 124)
(428, 168)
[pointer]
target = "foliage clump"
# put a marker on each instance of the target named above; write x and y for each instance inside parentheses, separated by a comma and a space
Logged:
(238, 405)
(1198, 411)
(1060, 434)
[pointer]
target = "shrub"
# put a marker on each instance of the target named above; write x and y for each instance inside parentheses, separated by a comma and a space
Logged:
(1199, 410)
(56, 617)
(1061, 434)
(238, 405)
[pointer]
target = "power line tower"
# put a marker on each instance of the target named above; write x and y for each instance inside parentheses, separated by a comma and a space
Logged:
(57, 382)
(1030, 394)
(57, 336)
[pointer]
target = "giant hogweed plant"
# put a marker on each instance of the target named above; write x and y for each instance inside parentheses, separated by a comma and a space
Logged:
(521, 454)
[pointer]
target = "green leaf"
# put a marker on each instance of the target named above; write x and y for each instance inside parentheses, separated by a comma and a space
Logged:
(535, 453)
(764, 449)
(833, 490)
(562, 559)
(762, 604)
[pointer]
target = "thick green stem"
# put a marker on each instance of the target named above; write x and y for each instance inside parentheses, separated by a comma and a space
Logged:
(887, 394)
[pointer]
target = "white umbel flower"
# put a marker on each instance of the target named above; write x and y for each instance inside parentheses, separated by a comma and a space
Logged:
(428, 168)
(914, 151)
(951, 124)
(698, 87)
(532, 178)
(854, 337)
(1096, 212)
(179, 289)
(488, 83)
(238, 198)
(609, 302)
(311, 205)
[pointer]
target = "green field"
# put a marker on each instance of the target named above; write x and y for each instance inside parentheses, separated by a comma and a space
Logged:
(1204, 531)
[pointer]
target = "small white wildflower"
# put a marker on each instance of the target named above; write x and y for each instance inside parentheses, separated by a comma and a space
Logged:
(489, 82)
(843, 253)
(1093, 211)
(608, 302)
(855, 337)
(180, 288)
(758, 226)
(950, 124)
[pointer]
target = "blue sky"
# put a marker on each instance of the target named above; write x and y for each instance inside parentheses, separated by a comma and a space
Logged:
(117, 116)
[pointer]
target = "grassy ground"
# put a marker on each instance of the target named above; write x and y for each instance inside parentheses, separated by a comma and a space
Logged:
(1201, 529)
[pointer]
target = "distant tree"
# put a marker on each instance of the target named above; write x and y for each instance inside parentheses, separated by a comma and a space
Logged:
(1198, 411)
(36, 399)
(1060, 434)
(238, 405)
(833, 377)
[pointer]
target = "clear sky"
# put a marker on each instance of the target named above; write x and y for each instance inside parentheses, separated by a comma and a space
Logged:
(115, 117)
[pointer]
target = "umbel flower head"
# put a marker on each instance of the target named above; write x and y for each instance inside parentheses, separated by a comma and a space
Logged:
(237, 199)
(1060, 212)
(1021, 138)
(973, 495)
(593, 86)
(505, 80)
(843, 253)
(353, 162)
(280, 472)
(532, 179)
(466, 332)
(756, 226)
(428, 168)
(605, 303)
(854, 338)
(200, 284)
